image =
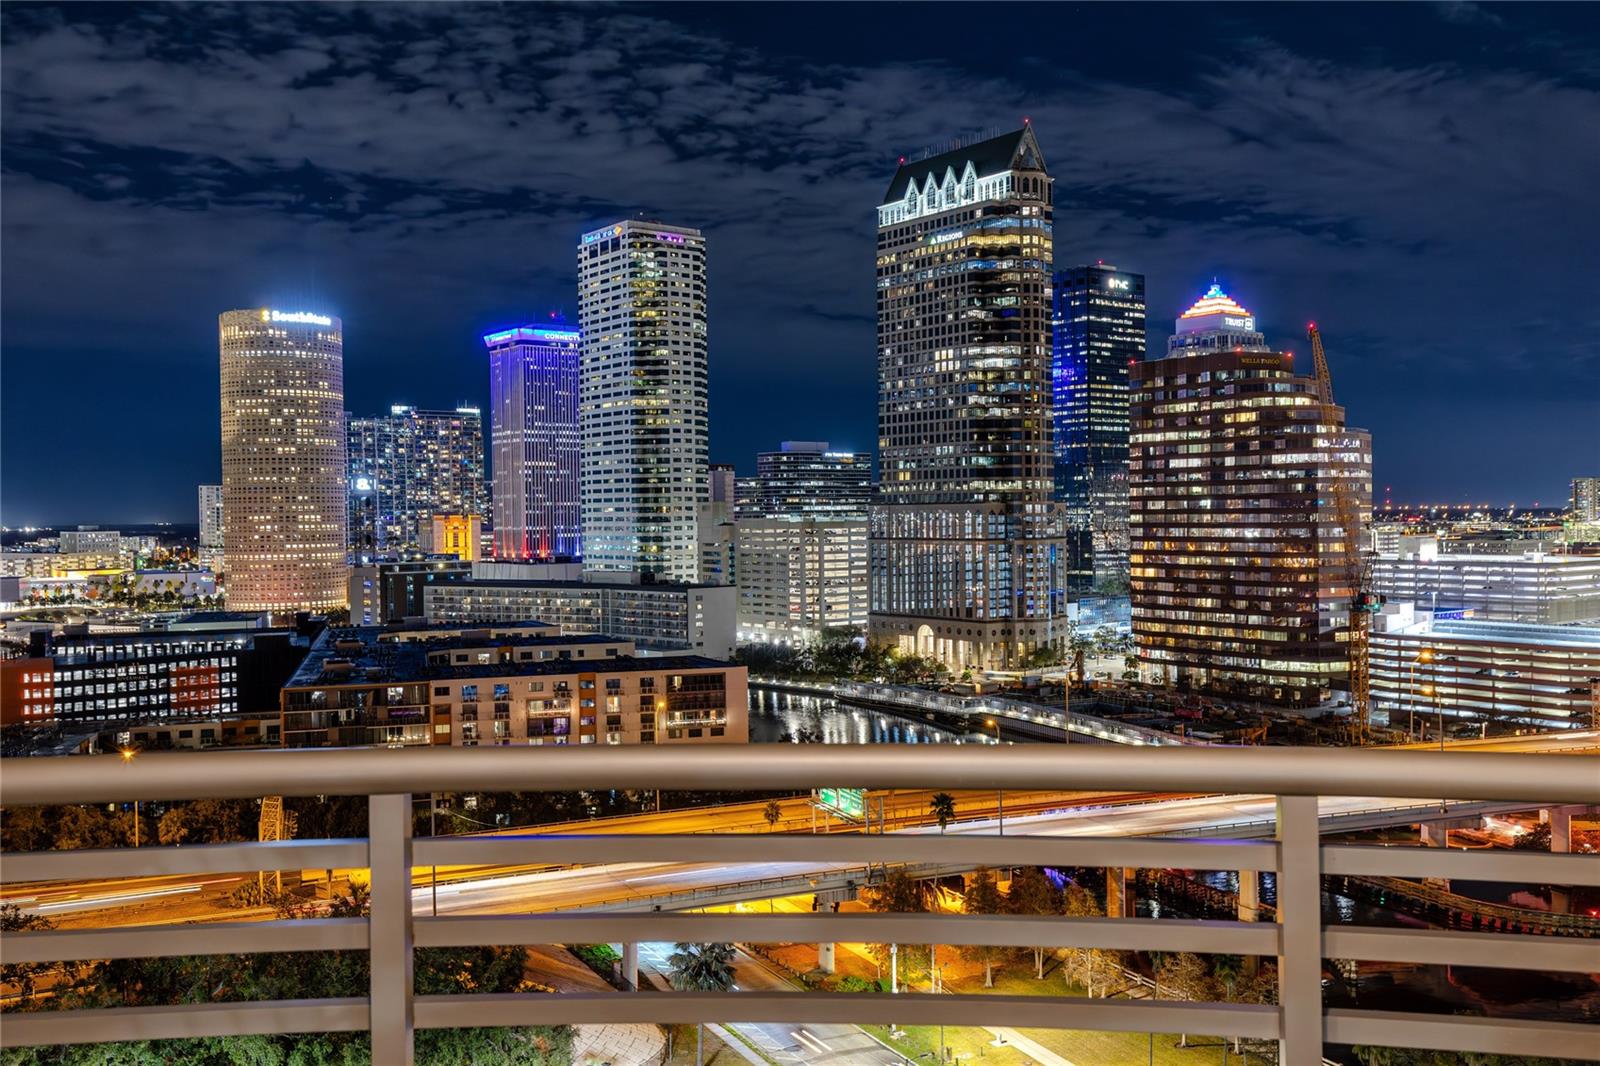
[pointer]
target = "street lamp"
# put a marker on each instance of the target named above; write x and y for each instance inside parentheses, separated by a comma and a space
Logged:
(661, 708)
(999, 793)
(127, 756)
(1423, 656)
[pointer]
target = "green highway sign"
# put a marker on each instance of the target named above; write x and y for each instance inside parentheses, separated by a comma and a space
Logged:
(845, 802)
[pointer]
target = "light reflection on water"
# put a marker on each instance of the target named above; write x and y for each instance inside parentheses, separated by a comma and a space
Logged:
(774, 713)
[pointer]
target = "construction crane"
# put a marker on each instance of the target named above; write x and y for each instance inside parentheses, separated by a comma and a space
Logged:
(1363, 604)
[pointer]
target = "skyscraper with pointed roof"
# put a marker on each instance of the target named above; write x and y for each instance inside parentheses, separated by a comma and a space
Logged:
(967, 560)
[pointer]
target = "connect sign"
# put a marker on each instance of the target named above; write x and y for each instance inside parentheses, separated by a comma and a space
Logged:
(846, 802)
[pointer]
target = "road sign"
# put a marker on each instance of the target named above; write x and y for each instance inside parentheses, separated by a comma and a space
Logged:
(846, 802)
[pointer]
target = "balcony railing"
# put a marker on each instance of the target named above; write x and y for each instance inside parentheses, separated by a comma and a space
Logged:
(391, 1010)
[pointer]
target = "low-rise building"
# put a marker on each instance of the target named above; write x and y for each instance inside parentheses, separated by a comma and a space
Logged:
(90, 540)
(364, 686)
(1426, 665)
(1531, 586)
(125, 679)
(62, 564)
(801, 574)
(392, 589)
(664, 617)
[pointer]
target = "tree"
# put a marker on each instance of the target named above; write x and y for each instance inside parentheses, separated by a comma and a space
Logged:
(943, 808)
(206, 822)
(1395, 1056)
(1032, 893)
(982, 896)
(899, 894)
(1536, 839)
(21, 977)
(301, 975)
(1186, 977)
(1077, 902)
(773, 813)
(700, 968)
(1228, 970)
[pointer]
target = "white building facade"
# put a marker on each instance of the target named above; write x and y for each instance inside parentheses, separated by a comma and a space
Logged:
(799, 575)
(642, 407)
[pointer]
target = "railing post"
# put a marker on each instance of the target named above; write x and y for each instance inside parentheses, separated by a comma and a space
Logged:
(389, 834)
(1300, 919)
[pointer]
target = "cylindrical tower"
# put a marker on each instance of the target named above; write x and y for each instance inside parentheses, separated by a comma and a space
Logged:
(283, 460)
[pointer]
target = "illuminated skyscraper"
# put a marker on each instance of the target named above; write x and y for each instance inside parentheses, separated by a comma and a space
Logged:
(1586, 499)
(407, 466)
(642, 406)
(806, 477)
(283, 460)
(1239, 581)
(966, 546)
(211, 517)
(533, 414)
(1099, 333)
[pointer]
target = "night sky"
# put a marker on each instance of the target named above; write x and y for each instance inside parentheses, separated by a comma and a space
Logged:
(1421, 180)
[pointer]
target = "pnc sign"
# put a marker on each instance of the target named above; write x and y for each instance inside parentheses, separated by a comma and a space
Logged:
(1122, 284)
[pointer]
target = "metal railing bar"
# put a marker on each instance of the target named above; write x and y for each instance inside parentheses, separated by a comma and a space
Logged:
(1477, 864)
(370, 771)
(1512, 951)
(1130, 934)
(161, 941)
(1501, 1036)
(103, 863)
(44, 1028)
(848, 1008)
(979, 850)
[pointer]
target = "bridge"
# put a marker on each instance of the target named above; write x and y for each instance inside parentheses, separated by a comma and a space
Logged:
(1299, 783)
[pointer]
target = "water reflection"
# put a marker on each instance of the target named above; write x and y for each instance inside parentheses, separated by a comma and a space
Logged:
(772, 714)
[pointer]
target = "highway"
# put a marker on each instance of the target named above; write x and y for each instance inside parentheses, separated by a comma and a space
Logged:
(520, 889)
(782, 1043)
(636, 886)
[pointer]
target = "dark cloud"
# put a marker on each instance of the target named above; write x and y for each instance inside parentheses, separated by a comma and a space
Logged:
(425, 171)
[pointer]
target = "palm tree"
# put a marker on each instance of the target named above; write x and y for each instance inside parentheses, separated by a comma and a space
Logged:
(943, 808)
(700, 968)
(772, 812)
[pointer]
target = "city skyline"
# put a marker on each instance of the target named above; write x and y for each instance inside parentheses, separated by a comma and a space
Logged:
(1307, 211)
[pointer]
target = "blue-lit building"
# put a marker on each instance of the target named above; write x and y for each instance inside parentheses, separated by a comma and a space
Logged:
(534, 441)
(1098, 328)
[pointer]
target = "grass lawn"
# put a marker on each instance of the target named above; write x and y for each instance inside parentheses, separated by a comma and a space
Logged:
(966, 1045)
(716, 1053)
(1089, 1048)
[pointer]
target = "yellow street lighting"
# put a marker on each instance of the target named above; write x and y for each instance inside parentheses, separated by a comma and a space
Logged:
(127, 756)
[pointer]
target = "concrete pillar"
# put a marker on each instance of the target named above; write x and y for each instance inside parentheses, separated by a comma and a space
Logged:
(825, 957)
(630, 966)
(1119, 893)
(1249, 895)
(1560, 819)
(1435, 836)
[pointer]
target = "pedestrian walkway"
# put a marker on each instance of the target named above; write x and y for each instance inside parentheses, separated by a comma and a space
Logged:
(1032, 1048)
(618, 1045)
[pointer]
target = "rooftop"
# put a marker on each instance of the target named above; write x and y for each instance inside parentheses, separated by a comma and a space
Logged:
(577, 584)
(1214, 302)
(993, 156)
(368, 658)
(1485, 631)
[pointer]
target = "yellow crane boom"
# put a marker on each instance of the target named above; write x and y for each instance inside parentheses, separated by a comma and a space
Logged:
(1353, 562)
